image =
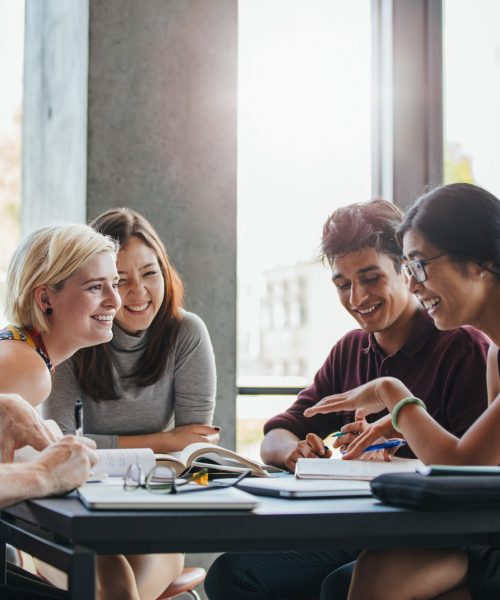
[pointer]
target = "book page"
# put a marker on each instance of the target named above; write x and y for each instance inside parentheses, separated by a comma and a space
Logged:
(172, 461)
(221, 456)
(115, 461)
(336, 468)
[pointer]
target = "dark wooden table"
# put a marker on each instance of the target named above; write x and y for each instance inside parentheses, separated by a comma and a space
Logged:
(63, 532)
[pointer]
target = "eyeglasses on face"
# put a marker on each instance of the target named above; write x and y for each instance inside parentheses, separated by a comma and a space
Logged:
(416, 268)
(163, 480)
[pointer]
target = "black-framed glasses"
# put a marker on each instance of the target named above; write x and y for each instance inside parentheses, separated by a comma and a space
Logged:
(163, 480)
(416, 268)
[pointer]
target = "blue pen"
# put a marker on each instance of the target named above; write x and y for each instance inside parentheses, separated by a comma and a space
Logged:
(389, 444)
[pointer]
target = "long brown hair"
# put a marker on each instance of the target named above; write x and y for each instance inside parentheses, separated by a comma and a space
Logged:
(93, 365)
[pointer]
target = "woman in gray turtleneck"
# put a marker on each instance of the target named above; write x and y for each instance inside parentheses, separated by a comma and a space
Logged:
(154, 384)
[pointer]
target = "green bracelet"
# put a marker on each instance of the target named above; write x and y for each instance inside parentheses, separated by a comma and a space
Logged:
(399, 406)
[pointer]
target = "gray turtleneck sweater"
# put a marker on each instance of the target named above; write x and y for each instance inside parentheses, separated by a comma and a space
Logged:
(185, 393)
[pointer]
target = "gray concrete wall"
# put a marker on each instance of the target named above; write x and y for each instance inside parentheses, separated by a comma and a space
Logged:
(162, 139)
(54, 112)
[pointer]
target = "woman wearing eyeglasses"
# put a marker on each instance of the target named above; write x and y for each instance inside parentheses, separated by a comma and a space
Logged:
(451, 244)
(153, 385)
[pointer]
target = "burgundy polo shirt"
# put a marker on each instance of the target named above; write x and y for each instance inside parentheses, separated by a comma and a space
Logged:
(446, 369)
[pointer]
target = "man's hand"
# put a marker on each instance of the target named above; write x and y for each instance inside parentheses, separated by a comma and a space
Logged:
(65, 465)
(21, 425)
(311, 447)
(177, 439)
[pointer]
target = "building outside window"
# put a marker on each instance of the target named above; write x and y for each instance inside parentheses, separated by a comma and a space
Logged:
(11, 68)
(304, 149)
(471, 92)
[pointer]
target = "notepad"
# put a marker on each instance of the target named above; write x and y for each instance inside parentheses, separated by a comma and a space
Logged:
(365, 470)
(100, 496)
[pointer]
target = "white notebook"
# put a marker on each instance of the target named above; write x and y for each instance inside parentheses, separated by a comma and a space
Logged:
(336, 468)
(112, 497)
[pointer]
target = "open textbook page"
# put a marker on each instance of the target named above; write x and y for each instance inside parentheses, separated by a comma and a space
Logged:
(214, 457)
(115, 461)
(365, 470)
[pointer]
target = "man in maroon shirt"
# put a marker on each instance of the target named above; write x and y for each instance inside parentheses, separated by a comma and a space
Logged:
(397, 338)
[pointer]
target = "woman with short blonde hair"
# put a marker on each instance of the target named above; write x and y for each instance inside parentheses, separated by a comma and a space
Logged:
(48, 256)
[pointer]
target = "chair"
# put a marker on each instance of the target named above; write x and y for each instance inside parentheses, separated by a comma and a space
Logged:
(189, 578)
(184, 584)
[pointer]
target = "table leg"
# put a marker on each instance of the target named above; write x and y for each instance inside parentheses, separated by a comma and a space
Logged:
(81, 575)
(3, 562)
(77, 561)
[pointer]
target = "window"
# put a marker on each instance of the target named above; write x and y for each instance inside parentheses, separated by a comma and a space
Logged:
(11, 67)
(471, 88)
(304, 148)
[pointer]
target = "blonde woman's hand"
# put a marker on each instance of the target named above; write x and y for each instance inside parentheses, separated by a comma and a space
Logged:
(66, 464)
(21, 425)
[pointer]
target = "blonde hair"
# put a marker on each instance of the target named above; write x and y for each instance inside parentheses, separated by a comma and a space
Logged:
(48, 256)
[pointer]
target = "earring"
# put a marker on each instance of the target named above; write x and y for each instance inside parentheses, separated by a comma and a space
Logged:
(48, 311)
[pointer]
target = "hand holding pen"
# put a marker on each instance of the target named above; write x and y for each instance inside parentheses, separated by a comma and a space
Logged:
(355, 437)
(388, 444)
(311, 447)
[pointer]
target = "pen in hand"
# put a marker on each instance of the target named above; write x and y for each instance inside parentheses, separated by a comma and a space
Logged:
(383, 445)
(78, 417)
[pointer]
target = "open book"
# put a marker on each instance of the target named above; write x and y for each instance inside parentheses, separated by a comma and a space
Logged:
(215, 458)
(115, 462)
(365, 470)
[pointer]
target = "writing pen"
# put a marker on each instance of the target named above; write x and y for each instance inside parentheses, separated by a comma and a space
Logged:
(338, 434)
(78, 417)
(389, 444)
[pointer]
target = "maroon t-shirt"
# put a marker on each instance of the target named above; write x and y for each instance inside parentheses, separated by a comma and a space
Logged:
(446, 369)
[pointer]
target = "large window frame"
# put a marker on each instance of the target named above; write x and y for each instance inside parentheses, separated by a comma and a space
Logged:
(407, 117)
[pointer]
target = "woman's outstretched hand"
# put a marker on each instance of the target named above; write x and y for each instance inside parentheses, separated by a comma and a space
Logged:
(364, 397)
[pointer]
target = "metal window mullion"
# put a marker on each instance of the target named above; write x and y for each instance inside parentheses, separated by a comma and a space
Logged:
(407, 103)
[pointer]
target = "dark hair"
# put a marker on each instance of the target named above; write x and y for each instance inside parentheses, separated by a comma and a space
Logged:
(370, 224)
(461, 219)
(93, 365)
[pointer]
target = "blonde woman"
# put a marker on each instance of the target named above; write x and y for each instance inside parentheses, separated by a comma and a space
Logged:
(62, 296)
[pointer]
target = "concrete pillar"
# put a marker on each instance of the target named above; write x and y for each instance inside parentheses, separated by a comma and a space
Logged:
(134, 104)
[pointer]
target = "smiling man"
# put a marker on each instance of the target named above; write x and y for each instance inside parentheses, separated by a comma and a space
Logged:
(396, 338)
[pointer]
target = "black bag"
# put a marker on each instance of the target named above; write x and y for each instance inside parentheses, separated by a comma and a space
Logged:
(438, 492)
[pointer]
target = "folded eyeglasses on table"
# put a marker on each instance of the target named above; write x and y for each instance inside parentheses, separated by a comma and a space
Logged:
(163, 480)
